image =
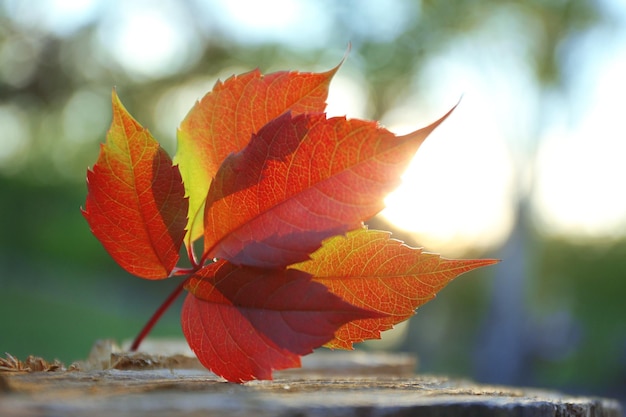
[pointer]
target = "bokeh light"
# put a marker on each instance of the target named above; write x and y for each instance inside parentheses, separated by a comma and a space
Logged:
(580, 167)
(148, 41)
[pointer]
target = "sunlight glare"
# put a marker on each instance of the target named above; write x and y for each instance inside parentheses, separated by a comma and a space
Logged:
(456, 193)
(348, 96)
(579, 189)
(461, 192)
(579, 186)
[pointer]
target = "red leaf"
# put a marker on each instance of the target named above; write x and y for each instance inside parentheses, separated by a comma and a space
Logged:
(224, 120)
(368, 269)
(244, 322)
(136, 202)
(300, 180)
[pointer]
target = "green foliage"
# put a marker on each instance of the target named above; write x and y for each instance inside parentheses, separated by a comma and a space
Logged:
(588, 282)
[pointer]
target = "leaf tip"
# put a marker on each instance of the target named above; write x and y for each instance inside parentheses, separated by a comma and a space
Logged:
(114, 96)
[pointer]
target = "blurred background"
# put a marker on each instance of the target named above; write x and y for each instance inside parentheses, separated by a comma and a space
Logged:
(530, 168)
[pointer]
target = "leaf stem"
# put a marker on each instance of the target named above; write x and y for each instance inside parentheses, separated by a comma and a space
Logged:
(192, 256)
(177, 272)
(157, 315)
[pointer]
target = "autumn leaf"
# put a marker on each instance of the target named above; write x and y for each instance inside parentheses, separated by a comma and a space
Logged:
(279, 192)
(224, 120)
(368, 269)
(300, 180)
(136, 203)
(243, 322)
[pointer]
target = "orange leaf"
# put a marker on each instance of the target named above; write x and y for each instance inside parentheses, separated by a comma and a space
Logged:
(368, 269)
(136, 203)
(225, 119)
(301, 180)
(243, 322)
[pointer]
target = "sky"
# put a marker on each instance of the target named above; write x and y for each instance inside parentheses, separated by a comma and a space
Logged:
(464, 186)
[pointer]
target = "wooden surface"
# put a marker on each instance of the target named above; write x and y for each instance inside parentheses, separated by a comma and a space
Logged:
(365, 385)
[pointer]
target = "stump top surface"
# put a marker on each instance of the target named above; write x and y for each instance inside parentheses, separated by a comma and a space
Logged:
(164, 392)
(112, 382)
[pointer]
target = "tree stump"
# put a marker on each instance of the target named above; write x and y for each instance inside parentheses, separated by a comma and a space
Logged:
(329, 384)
